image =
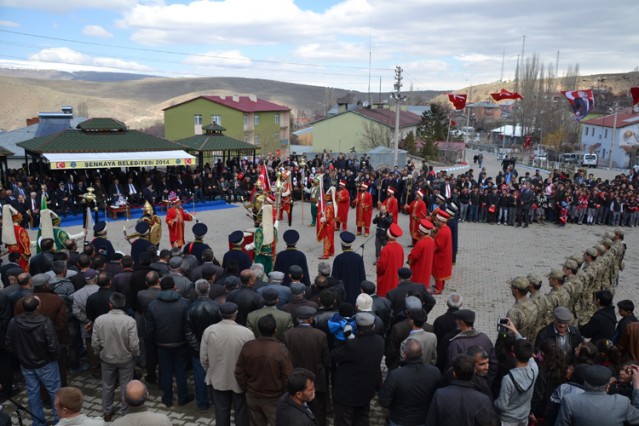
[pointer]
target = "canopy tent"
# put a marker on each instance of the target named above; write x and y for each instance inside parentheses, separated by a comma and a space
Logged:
(102, 160)
(213, 143)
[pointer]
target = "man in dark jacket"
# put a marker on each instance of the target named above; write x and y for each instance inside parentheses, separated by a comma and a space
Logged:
(292, 256)
(358, 373)
(292, 407)
(348, 266)
(309, 350)
(202, 313)
(408, 390)
(165, 323)
(245, 297)
(460, 404)
(32, 337)
(42, 262)
(406, 287)
(566, 336)
(602, 323)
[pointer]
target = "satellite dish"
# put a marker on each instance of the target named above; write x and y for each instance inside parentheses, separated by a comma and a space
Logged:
(365, 104)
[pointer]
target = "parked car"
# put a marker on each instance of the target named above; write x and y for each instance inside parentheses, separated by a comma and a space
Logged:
(589, 160)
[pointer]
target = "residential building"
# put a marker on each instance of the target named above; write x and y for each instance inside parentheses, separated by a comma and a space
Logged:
(606, 137)
(247, 118)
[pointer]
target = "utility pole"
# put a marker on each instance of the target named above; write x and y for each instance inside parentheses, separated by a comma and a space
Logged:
(612, 142)
(398, 100)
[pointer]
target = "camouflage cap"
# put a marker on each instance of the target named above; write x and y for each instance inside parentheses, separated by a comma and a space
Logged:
(607, 242)
(609, 234)
(556, 274)
(619, 231)
(535, 279)
(593, 252)
(577, 258)
(520, 283)
(571, 264)
(600, 248)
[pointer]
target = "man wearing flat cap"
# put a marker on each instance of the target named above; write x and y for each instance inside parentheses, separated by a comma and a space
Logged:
(358, 372)
(595, 406)
(468, 336)
(283, 319)
(566, 336)
(291, 256)
(308, 347)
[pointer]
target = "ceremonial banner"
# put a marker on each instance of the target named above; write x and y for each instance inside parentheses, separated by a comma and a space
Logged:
(581, 102)
(459, 101)
(635, 95)
(106, 160)
(505, 94)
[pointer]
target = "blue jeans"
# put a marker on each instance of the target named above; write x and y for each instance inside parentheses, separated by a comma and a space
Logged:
(202, 392)
(49, 376)
(173, 360)
(474, 213)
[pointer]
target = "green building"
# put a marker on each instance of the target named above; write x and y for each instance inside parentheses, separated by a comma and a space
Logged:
(247, 118)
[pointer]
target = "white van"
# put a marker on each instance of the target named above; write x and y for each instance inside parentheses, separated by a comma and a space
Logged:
(569, 157)
(589, 160)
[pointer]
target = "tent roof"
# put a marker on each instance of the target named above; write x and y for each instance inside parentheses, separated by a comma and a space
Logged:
(5, 152)
(215, 142)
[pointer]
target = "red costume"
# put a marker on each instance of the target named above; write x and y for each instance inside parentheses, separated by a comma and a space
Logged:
(417, 210)
(364, 211)
(175, 219)
(392, 207)
(391, 258)
(326, 230)
(286, 201)
(443, 258)
(420, 260)
(22, 246)
(343, 199)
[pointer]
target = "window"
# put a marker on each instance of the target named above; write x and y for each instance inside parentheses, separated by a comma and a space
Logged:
(245, 120)
(606, 134)
(277, 118)
(197, 119)
(217, 119)
(276, 136)
(257, 139)
(256, 119)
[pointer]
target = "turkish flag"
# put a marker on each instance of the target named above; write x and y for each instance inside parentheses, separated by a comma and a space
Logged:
(635, 95)
(581, 102)
(505, 94)
(459, 101)
(60, 165)
(453, 123)
(266, 184)
(527, 141)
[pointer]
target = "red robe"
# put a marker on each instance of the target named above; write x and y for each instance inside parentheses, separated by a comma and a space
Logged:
(175, 219)
(23, 246)
(391, 258)
(443, 259)
(420, 260)
(343, 199)
(417, 210)
(286, 201)
(392, 207)
(364, 212)
(326, 230)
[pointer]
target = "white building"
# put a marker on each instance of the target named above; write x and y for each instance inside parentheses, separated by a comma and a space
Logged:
(603, 137)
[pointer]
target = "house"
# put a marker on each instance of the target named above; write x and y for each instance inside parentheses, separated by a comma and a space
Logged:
(507, 135)
(246, 118)
(485, 111)
(347, 130)
(605, 137)
(45, 124)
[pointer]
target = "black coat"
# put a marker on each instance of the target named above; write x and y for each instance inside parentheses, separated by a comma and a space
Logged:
(247, 301)
(243, 259)
(165, 320)
(196, 248)
(407, 392)
(397, 297)
(358, 374)
(41, 263)
(32, 337)
(139, 246)
(291, 256)
(457, 405)
(349, 267)
(308, 347)
(601, 325)
(201, 313)
(98, 303)
(289, 413)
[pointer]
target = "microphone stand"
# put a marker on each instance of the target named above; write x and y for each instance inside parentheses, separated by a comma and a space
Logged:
(20, 409)
(364, 243)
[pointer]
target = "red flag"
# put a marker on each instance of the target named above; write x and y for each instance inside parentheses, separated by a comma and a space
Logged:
(459, 101)
(581, 102)
(505, 94)
(635, 95)
(266, 184)
(527, 141)
(453, 123)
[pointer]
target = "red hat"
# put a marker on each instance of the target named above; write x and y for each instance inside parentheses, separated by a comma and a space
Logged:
(442, 216)
(420, 193)
(394, 231)
(426, 226)
(364, 186)
(391, 190)
(342, 182)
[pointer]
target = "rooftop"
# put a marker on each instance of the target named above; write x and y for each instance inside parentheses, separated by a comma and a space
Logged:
(240, 103)
(623, 120)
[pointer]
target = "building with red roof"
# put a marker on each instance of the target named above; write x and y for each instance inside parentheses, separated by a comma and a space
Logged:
(610, 135)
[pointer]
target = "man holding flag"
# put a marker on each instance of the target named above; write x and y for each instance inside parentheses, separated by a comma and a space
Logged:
(326, 221)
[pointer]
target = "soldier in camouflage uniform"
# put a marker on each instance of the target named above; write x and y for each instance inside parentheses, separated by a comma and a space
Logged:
(544, 313)
(523, 314)
(589, 257)
(572, 283)
(558, 295)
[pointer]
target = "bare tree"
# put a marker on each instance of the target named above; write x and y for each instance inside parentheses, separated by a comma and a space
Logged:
(374, 135)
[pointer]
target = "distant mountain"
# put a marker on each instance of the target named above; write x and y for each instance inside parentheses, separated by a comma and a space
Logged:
(76, 75)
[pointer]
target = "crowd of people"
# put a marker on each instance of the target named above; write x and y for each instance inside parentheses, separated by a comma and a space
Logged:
(275, 344)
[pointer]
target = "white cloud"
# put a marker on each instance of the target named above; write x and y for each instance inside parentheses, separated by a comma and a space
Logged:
(64, 55)
(68, 5)
(9, 24)
(215, 58)
(96, 31)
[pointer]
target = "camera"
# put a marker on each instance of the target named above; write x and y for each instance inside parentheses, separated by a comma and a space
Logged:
(503, 321)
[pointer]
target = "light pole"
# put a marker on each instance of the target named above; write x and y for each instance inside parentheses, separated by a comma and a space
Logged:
(398, 99)
(612, 142)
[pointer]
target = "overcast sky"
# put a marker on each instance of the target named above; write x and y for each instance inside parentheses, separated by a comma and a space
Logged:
(443, 44)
